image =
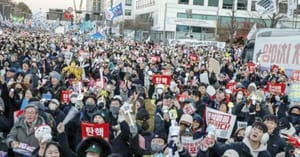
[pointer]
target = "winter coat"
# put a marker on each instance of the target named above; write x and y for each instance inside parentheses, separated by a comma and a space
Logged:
(243, 149)
(276, 144)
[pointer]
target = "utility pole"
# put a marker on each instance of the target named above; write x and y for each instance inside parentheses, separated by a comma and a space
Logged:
(165, 23)
(111, 21)
(233, 27)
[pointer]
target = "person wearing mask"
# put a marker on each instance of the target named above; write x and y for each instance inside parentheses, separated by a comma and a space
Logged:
(254, 144)
(276, 144)
(55, 111)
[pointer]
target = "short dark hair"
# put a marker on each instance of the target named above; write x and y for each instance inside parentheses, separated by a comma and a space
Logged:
(56, 144)
(260, 126)
(271, 118)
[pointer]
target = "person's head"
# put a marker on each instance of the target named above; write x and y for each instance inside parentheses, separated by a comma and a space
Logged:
(271, 122)
(28, 94)
(55, 78)
(158, 142)
(239, 134)
(31, 113)
(25, 66)
(186, 121)
(198, 122)
(220, 95)
(115, 106)
(100, 117)
(27, 79)
(53, 104)
(257, 133)
(52, 149)
(223, 107)
(230, 153)
(94, 150)
(202, 88)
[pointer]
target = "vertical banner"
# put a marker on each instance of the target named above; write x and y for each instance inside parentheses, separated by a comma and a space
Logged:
(294, 92)
(223, 122)
(94, 130)
(292, 5)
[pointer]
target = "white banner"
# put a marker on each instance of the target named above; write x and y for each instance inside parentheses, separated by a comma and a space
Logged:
(191, 145)
(223, 122)
(251, 32)
(282, 51)
(266, 7)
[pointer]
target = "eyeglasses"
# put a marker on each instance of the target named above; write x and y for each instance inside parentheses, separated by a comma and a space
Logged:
(185, 124)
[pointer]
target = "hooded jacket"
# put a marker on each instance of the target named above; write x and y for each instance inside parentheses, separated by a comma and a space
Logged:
(243, 148)
(84, 145)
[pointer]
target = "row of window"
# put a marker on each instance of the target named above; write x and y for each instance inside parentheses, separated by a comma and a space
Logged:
(144, 3)
(227, 4)
(222, 19)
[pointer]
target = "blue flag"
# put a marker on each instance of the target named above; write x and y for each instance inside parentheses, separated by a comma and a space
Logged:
(117, 10)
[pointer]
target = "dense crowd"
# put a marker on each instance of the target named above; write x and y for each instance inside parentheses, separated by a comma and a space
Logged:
(51, 84)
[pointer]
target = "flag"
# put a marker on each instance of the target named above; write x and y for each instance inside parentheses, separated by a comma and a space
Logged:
(292, 5)
(251, 32)
(17, 19)
(114, 12)
(266, 7)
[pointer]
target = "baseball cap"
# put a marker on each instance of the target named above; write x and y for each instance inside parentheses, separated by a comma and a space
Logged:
(94, 149)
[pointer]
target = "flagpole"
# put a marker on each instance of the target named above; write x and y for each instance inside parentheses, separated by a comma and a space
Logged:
(111, 21)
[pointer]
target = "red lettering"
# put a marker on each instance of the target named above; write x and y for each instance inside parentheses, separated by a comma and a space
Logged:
(296, 55)
(288, 54)
(266, 52)
(273, 53)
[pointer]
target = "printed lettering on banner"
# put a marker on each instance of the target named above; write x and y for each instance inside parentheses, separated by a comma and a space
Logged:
(294, 92)
(94, 130)
(223, 122)
(276, 88)
(191, 145)
(65, 96)
(161, 79)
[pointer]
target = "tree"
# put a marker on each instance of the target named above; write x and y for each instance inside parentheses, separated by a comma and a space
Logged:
(22, 10)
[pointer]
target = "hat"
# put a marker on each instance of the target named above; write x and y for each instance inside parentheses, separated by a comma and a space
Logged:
(101, 113)
(142, 114)
(187, 118)
(12, 70)
(55, 75)
(55, 101)
(32, 105)
(230, 153)
(94, 148)
(117, 97)
(160, 135)
(198, 119)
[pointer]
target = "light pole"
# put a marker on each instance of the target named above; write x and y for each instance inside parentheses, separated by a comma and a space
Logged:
(189, 13)
(165, 23)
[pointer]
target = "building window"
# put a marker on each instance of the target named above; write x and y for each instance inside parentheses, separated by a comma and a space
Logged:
(213, 3)
(182, 15)
(283, 8)
(127, 12)
(198, 2)
(128, 2)
(183, 2)
(227, 4)
(253, 3)
(242, 5)
(182, 28)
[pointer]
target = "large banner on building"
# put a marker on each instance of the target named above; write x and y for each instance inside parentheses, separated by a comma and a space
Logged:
(223, 122)
(282, 51)
(266, 7)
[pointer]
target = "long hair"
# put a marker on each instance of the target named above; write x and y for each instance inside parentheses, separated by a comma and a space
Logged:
(55, 144)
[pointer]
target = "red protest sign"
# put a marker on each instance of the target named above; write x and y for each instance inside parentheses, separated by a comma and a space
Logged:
(277, 88)
(65, 96)
(182, 97)
(94, 130)
(231, 86)
(161, 79)
(194, 57)
(155, 59)
(251, 67)
(295, 75)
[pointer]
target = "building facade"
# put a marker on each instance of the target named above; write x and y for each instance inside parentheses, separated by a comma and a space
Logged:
(5, 8)
(200, 19)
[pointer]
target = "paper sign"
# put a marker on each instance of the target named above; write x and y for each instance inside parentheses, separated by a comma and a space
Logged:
(214, 66)
(182, 97)
(241, 124)
(194, 57)
(95, 130)
(223, 122)
(155, 59)
(204, 78)
(65, 96)
(277, 88)
(24, 149)
(231, 86)
(68, 57)
(161, 79)
(191, 145)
